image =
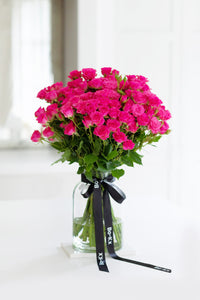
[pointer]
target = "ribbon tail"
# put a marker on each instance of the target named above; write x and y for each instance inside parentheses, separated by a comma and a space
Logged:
(98, 222)
(108, 224)
(110, 240)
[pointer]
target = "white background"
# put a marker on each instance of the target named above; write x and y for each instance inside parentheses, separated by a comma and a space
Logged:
(159, 39)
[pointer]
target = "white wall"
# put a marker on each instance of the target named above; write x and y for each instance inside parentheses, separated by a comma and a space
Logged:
(159, 39)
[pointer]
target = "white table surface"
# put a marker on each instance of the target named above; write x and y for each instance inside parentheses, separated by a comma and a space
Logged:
(34, 266)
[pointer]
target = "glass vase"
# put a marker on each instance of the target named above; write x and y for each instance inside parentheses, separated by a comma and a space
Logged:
(83, 222)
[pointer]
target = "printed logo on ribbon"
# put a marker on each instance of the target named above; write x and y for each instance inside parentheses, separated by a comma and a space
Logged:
(100, 258)
(109, 235)
(96, 184)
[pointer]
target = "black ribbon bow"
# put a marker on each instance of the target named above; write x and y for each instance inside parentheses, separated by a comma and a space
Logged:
(118, 196)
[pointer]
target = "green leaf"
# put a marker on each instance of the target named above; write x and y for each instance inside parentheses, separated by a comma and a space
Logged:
(66, 155)
(90, 158)
(89, 167)
(58, 146)
(73, 158)
(117, 173)
(101, 166)
(112, 154)
(135, 157)
(88, 174)
(103, 157)
(112, 165)
(80, 146)
(108, 149)
(97, 146)
(55, 162)
(156, 138)
(127, 161)
(80, 170)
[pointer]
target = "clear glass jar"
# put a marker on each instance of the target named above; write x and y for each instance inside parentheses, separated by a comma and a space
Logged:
(83, 222)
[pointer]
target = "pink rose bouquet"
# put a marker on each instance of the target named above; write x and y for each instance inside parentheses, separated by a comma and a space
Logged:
(101, 122)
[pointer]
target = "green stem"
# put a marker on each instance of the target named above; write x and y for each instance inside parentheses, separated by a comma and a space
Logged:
(91, 230)
(116, 227)
(78, 227)
(85, 227)
(90, 136)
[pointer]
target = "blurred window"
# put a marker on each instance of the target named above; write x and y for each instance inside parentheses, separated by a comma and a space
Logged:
(28, 45)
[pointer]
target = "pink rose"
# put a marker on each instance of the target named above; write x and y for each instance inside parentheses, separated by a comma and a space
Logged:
(142, 78)
(124, 116)
(36, 136)
(51, 95)
(89, 73)
(143, 120)
(150, 111)
(113, 103)
(90, 106)
(145, 88)
(87, 96)
(128, 106)
(163, 114)
(102, 132)
(164, 128)
(160, 113)
(113, 124)
(113, 113)
(67, 111)
(75, 83)
(70, 128)
(106, 71)
(41, 115)
(153, 99)
(72, 100)
(87, 121)
(80, 107)
(104, 109)
(81, 88)
(107, 93)
(42, 94)
(96, 83)
(47, 132)
(110, 84)
(129, 93)
(57, 86)
(139, 97)
(74, 74)
(131, 77)
(52, 110)
(132, 127)
(167, 115)
(119, 136)
(154, 125)
(97, 118)
(115, 72)
(135, 85)
(137, 110)
(128, 145)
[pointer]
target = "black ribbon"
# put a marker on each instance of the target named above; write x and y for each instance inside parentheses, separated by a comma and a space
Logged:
(118, 196)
